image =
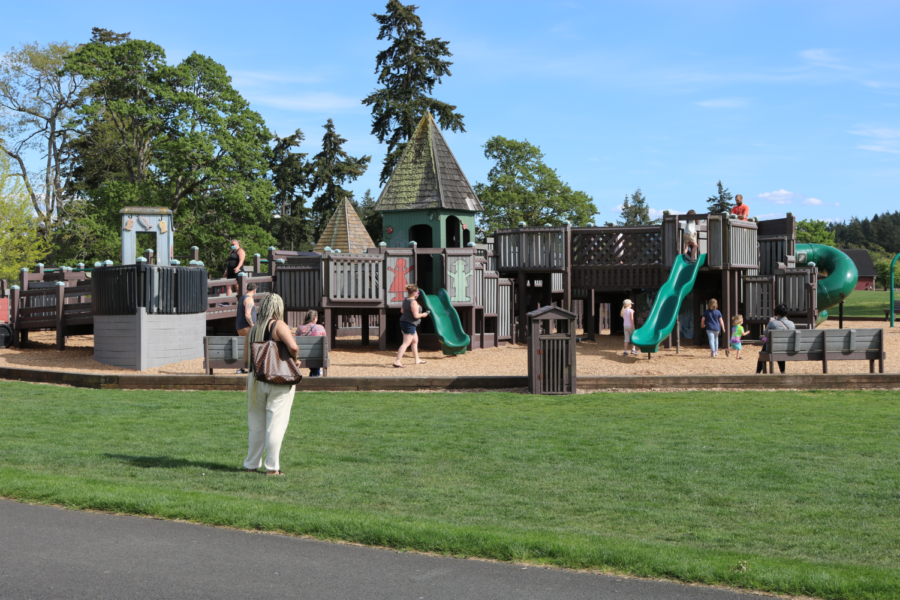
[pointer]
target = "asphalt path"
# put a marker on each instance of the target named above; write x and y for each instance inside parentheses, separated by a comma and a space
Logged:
(49, 552)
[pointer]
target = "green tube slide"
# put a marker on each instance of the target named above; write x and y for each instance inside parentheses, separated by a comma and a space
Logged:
(842, 275)
(446, 323)
(664, 313)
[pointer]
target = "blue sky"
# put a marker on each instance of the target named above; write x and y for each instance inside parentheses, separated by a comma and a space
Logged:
(794, 105)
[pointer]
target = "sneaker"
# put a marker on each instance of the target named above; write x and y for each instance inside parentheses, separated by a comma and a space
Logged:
(635, 351)
(625, 353)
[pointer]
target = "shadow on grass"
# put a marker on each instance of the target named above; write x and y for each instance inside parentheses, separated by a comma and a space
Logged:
(167, 462)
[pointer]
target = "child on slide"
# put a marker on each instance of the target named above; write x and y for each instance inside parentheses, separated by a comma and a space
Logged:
(737, 332)
(627, 313)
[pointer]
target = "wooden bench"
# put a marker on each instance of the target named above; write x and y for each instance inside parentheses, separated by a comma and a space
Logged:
(887, 311)
(825, 345)
(227, 352)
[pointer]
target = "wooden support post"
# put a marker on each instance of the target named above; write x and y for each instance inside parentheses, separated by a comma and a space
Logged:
(678, 333)
(364, 326)
(825, 350)
(726, 303)
(471, 328)
(257, 264)
(195, 253)
(329, 327)
(242, 284)
(881, 355)
(523, 307)
(841, 312)
(23, 279)
(547, 289)
(271, 258)
(589, 317)
(60, 311)
(382, 329)
(14, 316)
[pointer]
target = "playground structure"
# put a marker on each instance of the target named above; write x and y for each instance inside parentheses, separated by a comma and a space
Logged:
(478, 294)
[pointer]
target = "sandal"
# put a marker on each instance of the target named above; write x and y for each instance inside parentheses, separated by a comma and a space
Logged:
(421, 362)
(275, 473)
(398, 366)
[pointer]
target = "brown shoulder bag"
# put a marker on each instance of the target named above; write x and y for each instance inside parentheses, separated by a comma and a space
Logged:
(273, 363)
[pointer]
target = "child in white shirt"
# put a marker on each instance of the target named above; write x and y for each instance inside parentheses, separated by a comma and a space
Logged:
(627, 313)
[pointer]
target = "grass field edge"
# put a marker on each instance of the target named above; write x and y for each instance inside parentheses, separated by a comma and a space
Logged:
(611, 554)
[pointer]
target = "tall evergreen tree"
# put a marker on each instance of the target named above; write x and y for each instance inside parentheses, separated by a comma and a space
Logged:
(331, 169)
(373, 221)
(635, 211)
(407, 71)
(290, 175)
(721, 202)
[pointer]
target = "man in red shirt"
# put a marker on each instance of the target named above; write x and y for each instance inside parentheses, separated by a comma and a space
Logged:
(741, 210)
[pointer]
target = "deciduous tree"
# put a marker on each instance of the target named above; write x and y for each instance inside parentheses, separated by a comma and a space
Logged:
(185, 139)
(36, 105)
(21, 242)
(521, 187)
(810, 231)
(407, 72)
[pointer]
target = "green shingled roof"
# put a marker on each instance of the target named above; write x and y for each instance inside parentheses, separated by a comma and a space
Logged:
(428, 176)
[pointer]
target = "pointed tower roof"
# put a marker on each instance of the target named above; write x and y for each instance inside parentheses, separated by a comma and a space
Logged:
(345, 232)
(428, 176)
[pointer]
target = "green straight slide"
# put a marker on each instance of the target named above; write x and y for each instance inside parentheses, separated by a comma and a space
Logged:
(842, 275)
(664, 313)
(446, 323)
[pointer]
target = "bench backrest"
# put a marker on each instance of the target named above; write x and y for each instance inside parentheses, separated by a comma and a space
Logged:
(785, 341)
(231, 348)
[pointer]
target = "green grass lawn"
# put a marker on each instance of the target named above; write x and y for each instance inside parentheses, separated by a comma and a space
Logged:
(805, 487)
(865, 304)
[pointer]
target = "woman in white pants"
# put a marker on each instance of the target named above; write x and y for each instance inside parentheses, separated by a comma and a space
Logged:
(268, 405)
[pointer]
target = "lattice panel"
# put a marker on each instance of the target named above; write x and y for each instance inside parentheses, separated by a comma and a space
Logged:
(617, 247)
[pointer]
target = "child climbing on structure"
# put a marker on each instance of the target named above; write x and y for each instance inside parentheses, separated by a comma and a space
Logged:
(737, 332)
(690, 237)
(627, 313)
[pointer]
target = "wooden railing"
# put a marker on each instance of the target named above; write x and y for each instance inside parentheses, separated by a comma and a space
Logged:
(538, 249)
(69, 309)
(354, 278)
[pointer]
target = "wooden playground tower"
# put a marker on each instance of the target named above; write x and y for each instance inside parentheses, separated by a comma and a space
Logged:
(750, 268)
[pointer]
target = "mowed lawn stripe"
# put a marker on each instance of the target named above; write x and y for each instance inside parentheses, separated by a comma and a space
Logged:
(805, 487)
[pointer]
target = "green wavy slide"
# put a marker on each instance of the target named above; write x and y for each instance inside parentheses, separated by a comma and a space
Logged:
(664, 313)
(842, 275)
(447, 323)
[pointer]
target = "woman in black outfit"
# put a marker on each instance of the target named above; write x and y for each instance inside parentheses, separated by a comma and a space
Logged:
(234, 264)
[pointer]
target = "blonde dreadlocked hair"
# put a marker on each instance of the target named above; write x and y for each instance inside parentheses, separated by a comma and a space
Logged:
(272, 307)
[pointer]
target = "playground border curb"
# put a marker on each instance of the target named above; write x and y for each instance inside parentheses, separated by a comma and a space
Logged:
(409, 384)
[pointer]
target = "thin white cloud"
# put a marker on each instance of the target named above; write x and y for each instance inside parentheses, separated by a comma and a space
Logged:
(890, 148)
(813, 202)
(818, 55)
(881, 139)
(313, 102)
(837, 203)
(781, 196)
(770, 216)
(724, 103)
